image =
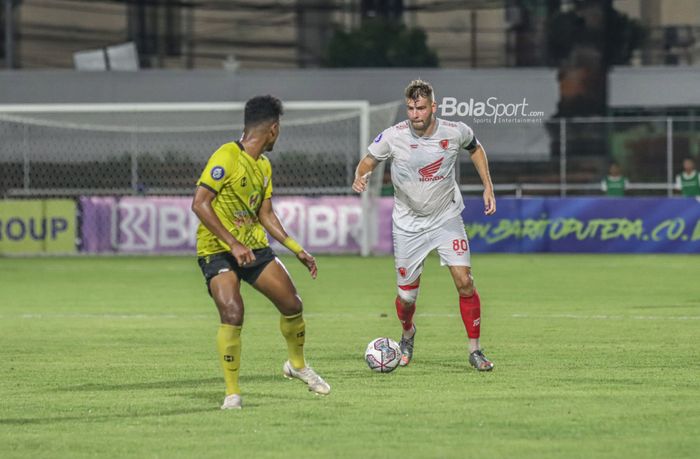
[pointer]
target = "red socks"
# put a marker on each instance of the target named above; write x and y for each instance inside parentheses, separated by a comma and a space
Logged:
(470, 307)
(405, 314)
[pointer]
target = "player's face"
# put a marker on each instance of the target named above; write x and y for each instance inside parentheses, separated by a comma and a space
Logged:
(273, 135)
(420, 113)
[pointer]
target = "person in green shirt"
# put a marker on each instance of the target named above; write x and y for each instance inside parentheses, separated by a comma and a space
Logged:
(688, 181)
(614, 184)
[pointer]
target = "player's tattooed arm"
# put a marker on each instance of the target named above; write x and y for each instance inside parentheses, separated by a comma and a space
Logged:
(271, 223)
(202, 208)
(481, 164)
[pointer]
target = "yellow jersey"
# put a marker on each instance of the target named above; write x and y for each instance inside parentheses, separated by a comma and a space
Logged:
(241, 184)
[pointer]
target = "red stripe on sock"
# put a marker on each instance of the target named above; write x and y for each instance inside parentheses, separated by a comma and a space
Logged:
(405, 314)
(470, 308)
(408, 287)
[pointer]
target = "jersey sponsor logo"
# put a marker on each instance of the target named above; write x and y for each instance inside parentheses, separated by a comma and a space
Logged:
(217, 172)
(378, 138)
(244, 181)
(414, 146)
(427, 173)
(444, 143)
(402, 272)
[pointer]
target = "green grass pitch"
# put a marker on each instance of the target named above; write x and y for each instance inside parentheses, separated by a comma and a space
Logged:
(596, 356)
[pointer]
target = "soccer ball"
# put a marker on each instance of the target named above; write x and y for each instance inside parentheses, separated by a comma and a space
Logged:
(383, 355)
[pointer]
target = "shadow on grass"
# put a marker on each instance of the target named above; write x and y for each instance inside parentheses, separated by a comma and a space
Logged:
(103, 418)
(174, 384)
(181, 383)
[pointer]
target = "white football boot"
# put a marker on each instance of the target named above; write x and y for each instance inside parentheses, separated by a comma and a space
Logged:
(232, 402)
(316, 383)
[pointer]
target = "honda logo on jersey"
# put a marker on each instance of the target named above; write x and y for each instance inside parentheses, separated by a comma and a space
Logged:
(427, 173)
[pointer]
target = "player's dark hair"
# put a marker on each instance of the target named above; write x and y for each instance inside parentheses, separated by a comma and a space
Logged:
(262, 108)
(419, 88)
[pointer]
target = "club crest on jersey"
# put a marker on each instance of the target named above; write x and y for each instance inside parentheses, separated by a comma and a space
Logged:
(444, 143)
(402, 272)
(217, 172)
(379, 137)
(427, 173)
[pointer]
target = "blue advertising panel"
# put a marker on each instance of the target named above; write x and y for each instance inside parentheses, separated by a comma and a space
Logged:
(591, 225)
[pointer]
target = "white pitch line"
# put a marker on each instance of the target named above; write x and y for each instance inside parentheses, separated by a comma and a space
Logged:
(111, 316)
(336, 315)
(600, 317)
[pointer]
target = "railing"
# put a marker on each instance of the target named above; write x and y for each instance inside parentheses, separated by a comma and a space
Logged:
(570, 156)
(521, 189)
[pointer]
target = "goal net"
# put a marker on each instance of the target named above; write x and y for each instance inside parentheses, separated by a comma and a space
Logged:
(75, 150)
(160, 149)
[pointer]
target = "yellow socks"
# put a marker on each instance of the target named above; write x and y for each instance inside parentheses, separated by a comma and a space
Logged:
(228, 342)
(293, 329)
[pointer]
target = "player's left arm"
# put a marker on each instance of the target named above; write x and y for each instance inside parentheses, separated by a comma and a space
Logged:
(481, 163)
(268, 219)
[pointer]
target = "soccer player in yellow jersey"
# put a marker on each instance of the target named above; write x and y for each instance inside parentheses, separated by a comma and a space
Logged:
(232, 202)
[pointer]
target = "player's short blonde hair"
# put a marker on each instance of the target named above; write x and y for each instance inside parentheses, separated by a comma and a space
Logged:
(419, 88)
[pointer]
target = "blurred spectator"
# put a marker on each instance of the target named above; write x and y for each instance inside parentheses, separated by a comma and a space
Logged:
(615, 183)
(688, 181)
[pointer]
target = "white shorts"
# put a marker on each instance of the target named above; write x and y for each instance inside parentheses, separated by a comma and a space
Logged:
(411, 249)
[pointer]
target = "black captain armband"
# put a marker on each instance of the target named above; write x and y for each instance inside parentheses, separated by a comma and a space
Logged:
(472, 145)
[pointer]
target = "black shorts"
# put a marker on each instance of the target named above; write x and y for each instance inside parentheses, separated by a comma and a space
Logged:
(217, 263)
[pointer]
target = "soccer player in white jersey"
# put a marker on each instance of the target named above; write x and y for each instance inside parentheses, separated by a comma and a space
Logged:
(428, 208)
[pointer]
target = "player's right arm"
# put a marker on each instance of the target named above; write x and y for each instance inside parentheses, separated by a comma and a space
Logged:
(362, 173)
(379, 150)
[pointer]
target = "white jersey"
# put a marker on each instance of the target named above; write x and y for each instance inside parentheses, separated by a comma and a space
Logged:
(426, 193)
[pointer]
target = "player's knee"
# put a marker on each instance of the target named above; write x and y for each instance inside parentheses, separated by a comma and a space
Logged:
(293, 306)
(231, 313)
(297, 305)
(466, 287)
(408, 297)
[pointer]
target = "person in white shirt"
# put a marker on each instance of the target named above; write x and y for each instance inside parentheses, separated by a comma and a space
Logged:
(428, 207)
